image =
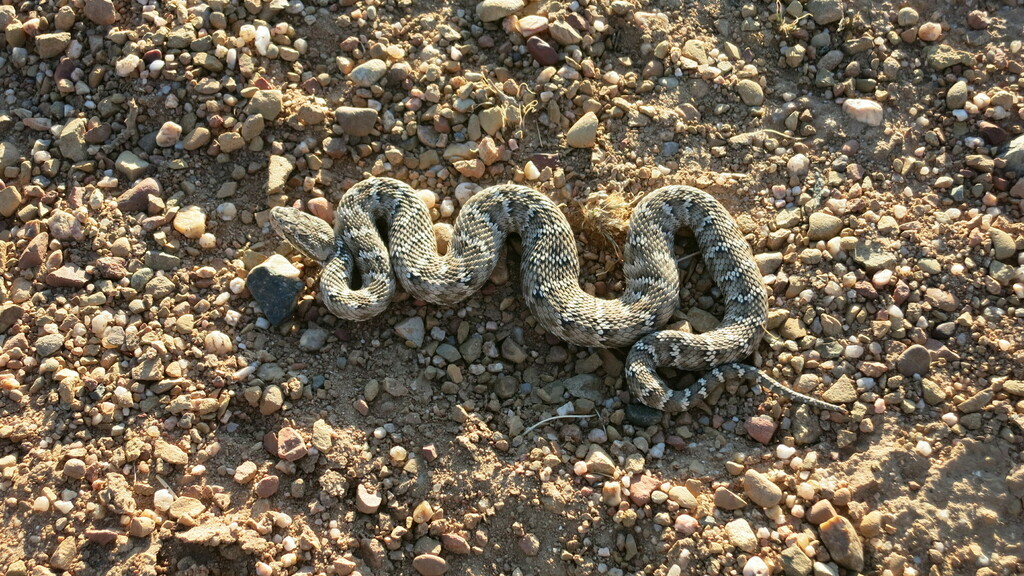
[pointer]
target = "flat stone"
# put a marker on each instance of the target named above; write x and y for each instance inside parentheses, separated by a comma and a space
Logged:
(760, 489)
(53, 44)
(367, 502)
(1014, 387)
(71, 141)
(101, 12)
(267, 486)
(368, 73)
(130, 165)
(246, 472)
(10, 313)
(543, 52)
(455, 544)
(49, 344)
(186, 506)
(864, 111)
(267, 103)
(795, 562)
(728, 500)
(356, 122)
(34, 252)
(491, 10)
(290, 445)
(583, 133)
(430, 565)
(741, 535)
(842, 542)
(842, 391)
(822, 226)
(761, 429)
(411, 330)
(1003, 244)
(914, 360)
(10, 201)
(141, 526)
(873, 256)
(278, 171)
(67, 276)
(275, 286)
(64, 556)
(599, 462)
(170, 453)
(825, 12)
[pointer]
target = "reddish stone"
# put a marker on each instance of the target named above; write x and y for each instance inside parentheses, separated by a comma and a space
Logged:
(640, 488)
(760, 428)
(992, 133)
(136, 198)
(290, 445)
(34, 252)
(268, 486)
(67, 276)
(100, 536)
(544, 53)
(111, 267)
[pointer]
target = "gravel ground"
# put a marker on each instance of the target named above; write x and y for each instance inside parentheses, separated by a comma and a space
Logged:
(159, 417)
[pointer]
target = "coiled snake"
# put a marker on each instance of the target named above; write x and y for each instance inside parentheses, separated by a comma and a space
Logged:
(550, 275)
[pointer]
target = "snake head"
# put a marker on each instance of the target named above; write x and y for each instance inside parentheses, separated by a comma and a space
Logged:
(307, 233)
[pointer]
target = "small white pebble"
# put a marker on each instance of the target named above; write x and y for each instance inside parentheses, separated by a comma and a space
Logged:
(41, 504)
(950, 419)
(579, 468)
(923, 448)
(784, 452)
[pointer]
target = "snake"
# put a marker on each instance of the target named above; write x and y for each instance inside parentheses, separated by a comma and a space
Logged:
(359, 274)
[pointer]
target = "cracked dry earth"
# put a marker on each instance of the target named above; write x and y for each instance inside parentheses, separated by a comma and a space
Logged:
(158, 418)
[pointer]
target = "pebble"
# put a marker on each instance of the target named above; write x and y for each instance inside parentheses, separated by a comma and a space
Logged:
(101, 12)
(356, 122)
(822, 226)
(368, 73)
(755, 566)
(914, 360)
(130, 165)
(599, 462)
(72, 142)
(543, 52)
(290, 445)
(929, 31)
(491, 10)
(583, 133)
(686, 524)
(278, 170)
(313, 339)
(761, 429)
(275, 285)
(821, 511)
(412, 330)
(190, 222)
(728, 500)
(825, 12)
(864, 111)
(750, 92)
(760, 489)
(267, 486)
(367, 502)
(842, 542)
(956, 95)
(430, 565)
(266, 103)
(798, 165)
(795, 562)
(53, 44)
(741, 535)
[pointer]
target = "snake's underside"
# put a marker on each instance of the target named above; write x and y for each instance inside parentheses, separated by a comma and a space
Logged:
(550, 275)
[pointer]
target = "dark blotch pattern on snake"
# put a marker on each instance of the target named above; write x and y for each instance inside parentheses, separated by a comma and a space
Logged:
(550, 275)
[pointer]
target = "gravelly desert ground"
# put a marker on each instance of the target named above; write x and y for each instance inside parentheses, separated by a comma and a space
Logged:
(154, 421)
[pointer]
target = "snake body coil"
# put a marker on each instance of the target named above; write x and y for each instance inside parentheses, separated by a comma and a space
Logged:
(550, 275)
